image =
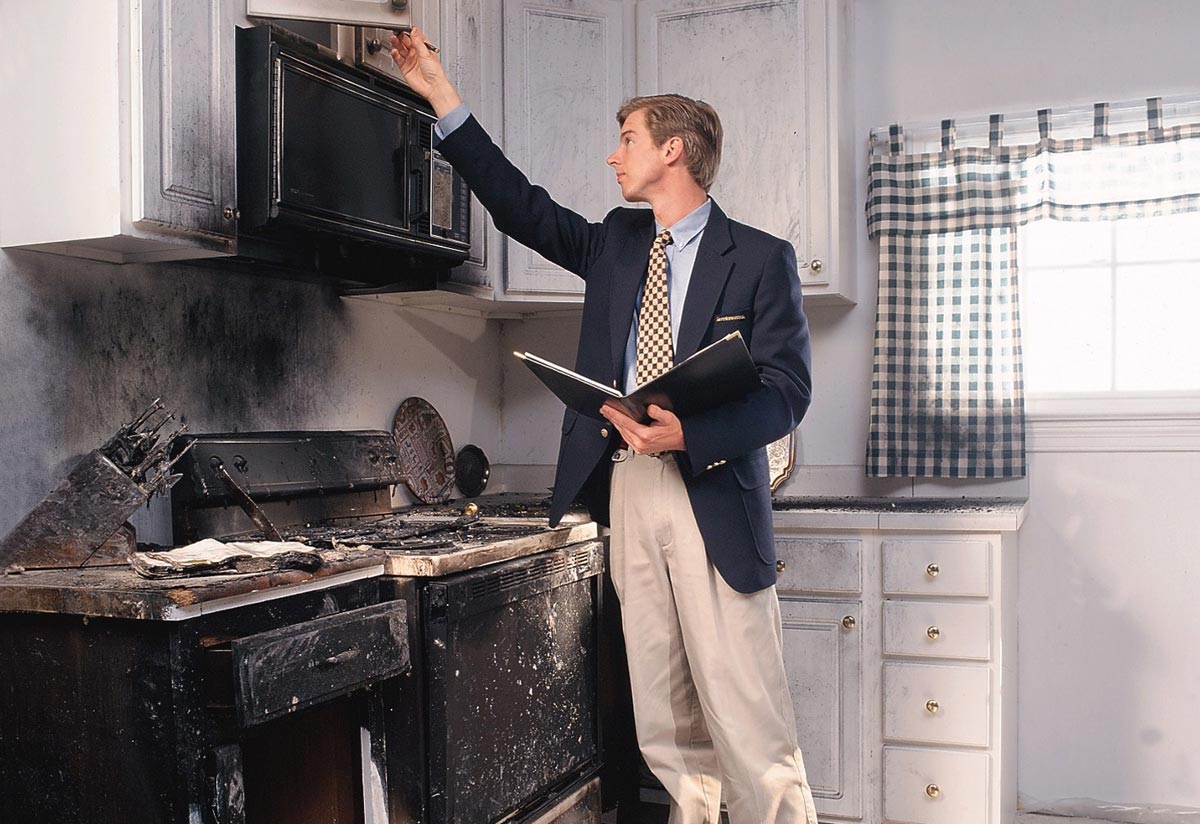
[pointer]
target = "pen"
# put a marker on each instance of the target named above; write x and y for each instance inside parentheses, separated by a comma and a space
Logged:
(428, 45)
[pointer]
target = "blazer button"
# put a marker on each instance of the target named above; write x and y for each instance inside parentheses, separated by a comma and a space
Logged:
(603, 432)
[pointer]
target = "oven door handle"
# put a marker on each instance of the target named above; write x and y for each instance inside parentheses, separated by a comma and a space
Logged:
(334, 660)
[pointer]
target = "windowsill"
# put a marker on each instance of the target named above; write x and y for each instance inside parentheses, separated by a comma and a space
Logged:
(1131, 422)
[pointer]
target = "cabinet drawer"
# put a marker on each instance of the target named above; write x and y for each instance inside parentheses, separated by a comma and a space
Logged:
(935, 786)
(936, 704)
(932, 567)
(294, 667)
(937, 630)
(819, 564)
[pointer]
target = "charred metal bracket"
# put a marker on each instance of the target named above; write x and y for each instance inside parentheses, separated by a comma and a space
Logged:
(244, 500)
(78, 518)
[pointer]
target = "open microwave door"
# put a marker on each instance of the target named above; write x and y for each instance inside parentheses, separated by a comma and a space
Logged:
(388, 14)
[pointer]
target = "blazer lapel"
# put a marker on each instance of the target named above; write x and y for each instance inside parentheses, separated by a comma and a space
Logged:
(709, 274)
(627, 278)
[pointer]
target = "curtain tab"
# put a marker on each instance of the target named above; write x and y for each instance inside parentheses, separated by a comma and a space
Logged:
(896, 139)
(1043, 123)
(1154, 114)
(1100, 120)
(947, 135)
(995, 131)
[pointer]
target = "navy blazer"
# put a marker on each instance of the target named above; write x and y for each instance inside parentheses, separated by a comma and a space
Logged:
(743, 279)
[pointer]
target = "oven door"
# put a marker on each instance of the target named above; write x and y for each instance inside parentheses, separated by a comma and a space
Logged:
(511, 675)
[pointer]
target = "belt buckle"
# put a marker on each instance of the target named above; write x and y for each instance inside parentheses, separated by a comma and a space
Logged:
(621, 454)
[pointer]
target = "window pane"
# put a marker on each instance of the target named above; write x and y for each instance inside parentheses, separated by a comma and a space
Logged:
(1055, 243)
(1174, 237)
(1066, 329)
(1155, 340)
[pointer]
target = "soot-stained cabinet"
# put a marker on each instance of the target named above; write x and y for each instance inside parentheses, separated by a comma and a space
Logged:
(269, 712)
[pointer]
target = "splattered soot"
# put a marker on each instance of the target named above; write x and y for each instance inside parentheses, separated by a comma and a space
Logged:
(228, 350)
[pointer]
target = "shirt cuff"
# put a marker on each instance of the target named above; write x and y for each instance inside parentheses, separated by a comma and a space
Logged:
(453, 119)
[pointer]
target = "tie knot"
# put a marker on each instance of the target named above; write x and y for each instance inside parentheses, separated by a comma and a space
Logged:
(664, 238)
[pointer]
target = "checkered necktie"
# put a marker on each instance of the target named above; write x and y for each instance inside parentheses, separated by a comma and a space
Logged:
(655, 353)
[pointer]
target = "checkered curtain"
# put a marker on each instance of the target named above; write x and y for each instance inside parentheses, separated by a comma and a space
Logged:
(947, 394)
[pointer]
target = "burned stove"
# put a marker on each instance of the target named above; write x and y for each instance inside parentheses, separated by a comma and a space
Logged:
(499, 718)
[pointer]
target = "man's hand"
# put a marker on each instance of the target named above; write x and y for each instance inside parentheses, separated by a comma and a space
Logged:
(663, 434)
(423, 71)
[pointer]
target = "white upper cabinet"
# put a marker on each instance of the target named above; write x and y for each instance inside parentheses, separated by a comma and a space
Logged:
(563, 83)
(388, 14)
(123, 150)
(772, 71)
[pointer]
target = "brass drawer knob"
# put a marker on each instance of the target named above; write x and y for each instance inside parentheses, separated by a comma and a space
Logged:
(848, 622)
(932, 706)
(933, 633)
(780, 566)
(932, 570)
(816, 266)
(471, 509)
(933, 790)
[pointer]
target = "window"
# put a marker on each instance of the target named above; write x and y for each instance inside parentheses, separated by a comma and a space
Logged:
(1109, 308)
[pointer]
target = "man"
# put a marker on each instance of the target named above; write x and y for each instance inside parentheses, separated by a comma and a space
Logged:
(692, 549)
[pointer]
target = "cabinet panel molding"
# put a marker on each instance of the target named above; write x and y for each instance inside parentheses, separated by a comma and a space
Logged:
(824, 665)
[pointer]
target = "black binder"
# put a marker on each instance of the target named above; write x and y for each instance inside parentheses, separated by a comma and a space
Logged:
(718, 373)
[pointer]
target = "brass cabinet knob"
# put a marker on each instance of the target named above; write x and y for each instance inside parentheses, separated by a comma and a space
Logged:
(933, 790)
(603, 432)
(848, 622)
(816, 266)
(780, 566)
(227, 213)
(932, 570)
(933, 633)
(932, 706)
(471, 509)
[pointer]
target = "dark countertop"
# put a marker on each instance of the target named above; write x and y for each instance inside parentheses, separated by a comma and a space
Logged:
(907, 505)
(935, 514)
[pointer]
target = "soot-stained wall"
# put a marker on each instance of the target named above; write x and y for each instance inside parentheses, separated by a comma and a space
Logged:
(86, 345)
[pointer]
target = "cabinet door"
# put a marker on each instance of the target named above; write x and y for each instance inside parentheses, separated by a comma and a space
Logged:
(183, 147)
(389, 14)
(563, 83)
(471, 47)
(822, 651)
(762, 65)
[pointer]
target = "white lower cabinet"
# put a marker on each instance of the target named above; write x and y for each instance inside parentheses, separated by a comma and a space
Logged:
(823, 648)
(901, 647)
(936, 704)
(935, 786)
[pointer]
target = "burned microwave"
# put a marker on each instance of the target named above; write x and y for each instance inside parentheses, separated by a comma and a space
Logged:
(337, 172)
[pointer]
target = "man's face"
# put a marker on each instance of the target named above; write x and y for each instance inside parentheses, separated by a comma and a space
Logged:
(639, 164)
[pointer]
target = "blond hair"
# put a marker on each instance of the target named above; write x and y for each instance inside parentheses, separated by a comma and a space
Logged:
(693, 121)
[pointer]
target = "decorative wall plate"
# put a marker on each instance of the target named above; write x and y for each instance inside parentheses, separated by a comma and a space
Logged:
(426, 453)
(781, 459)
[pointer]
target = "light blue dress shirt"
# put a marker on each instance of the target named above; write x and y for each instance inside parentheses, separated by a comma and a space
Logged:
(681, 256)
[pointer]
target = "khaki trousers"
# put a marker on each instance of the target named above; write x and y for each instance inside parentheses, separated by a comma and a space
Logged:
(710, 696)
